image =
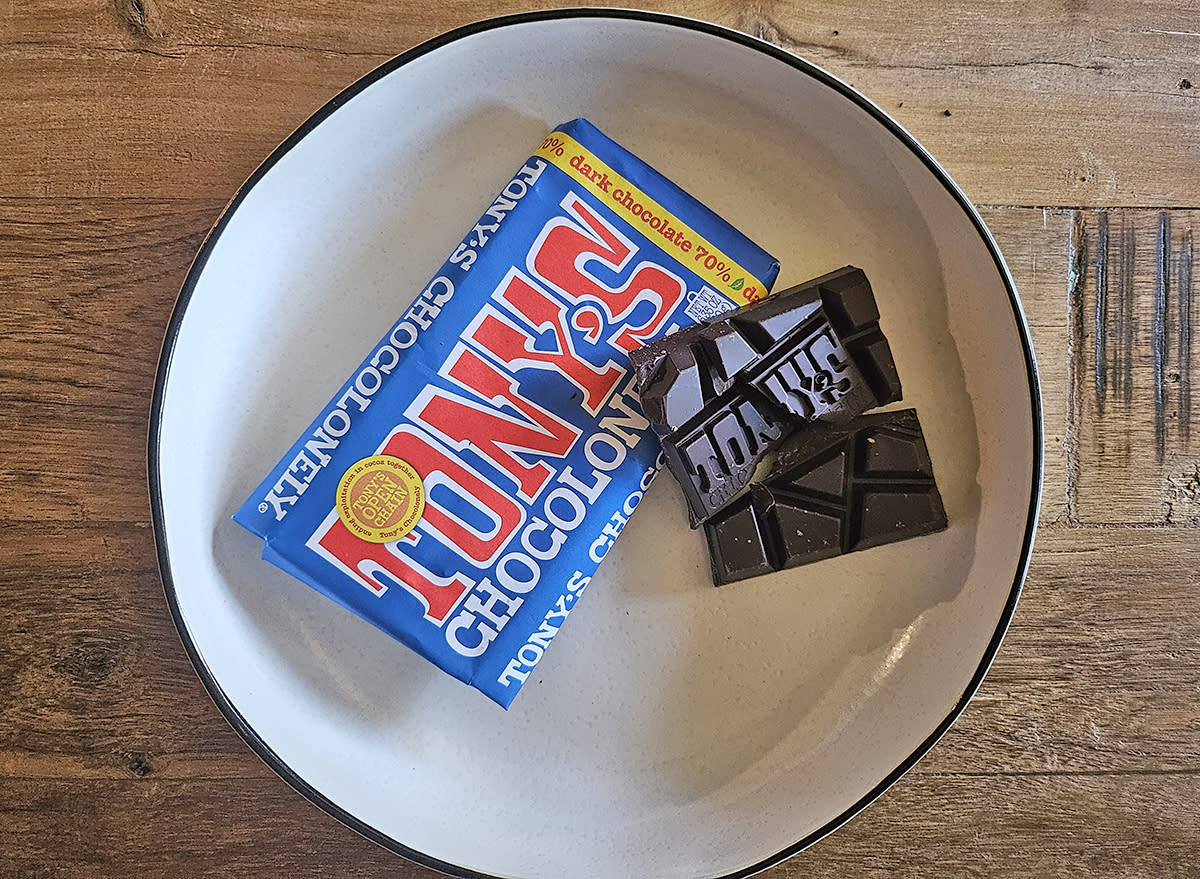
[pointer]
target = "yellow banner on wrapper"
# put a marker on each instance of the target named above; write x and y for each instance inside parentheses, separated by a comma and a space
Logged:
(662, 227)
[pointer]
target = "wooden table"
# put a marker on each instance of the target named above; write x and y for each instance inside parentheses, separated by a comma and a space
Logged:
(124, 129)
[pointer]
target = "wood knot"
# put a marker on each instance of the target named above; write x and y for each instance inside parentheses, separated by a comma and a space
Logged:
(1185, 83)
(88, 664)
(138, 763)
(142, 17)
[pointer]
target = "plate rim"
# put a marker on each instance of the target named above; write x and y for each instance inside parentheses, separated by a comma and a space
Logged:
(235, 718)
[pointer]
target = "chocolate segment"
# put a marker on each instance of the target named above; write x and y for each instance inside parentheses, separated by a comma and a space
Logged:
(737, 544)
(721, 395)
(834, 488)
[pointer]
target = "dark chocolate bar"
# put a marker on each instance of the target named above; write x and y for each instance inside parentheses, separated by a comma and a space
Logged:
(834, 488)
(721, 395)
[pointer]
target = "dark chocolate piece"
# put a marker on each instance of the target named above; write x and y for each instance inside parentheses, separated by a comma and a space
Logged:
(834, 488)
(720, 395)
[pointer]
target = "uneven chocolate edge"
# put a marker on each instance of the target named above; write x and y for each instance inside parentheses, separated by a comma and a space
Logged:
(746, 386)
(234, 717)
(817, 444)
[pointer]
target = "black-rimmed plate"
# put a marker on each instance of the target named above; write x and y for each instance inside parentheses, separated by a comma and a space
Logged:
(674, 730)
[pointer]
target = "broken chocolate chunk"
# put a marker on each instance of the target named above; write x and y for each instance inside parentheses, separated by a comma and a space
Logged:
(833, 489)
(738, 546)
(720, 395)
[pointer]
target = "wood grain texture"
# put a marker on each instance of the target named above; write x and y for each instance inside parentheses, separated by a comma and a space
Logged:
(129, 124)
(102, 100)
(1044, 826)
(1132, 361)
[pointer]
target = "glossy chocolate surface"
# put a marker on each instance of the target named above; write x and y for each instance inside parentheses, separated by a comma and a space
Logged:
(720, 395)
(834, 488)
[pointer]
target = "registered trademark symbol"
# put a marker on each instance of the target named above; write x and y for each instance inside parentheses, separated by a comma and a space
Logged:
(262, 508)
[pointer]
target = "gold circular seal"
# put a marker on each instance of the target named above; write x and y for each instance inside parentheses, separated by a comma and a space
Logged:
(380, 498)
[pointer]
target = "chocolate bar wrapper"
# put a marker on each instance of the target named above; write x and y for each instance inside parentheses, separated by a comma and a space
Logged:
(463, 485)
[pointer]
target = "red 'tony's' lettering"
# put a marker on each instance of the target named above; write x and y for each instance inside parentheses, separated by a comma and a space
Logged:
(438, 595)
(514, 346)
(562, 252)
(494, 434)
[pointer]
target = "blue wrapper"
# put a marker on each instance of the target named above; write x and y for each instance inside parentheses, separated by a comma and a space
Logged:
(462, 487)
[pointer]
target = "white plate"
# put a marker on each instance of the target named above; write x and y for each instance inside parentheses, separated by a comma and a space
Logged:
(676, 730)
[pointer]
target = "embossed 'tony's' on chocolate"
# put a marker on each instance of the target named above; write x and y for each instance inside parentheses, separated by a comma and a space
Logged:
(720, 395)
(833, 489)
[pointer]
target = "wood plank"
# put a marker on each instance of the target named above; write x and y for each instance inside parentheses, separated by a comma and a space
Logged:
(1131, 295)
(1025, 102)
(87, 123)
(150, 827)
(1035, 245)
(1119, 664)
(93, 286)
(1016, 826)
(88, 466)
(1109, 297)
(94, 682)
(1100, 669)
(1048, 106)
(1042, 825)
